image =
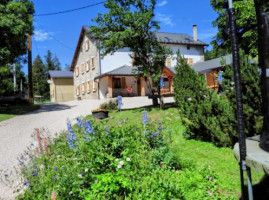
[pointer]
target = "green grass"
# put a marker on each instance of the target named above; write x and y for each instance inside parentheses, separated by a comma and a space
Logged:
(221, 160)
(7, 112)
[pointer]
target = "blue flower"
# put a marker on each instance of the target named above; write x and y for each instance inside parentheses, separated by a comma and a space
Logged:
(26, 183)
(54, 177)
(55, 168)
(106, 129)
(79, 122)
(145, 118)
(88, 127)
(35, 174)
(119, 98)
(153, 135)
(6, 175)
(72, 137)
(63, 168)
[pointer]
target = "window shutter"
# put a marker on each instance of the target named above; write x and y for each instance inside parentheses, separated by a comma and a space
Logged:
(123, 82)
(190, 61)
(85, 87)
(95, 86)
(88, 86)
(87, 65)
(93, 63)
(78, 70)
(168, 62)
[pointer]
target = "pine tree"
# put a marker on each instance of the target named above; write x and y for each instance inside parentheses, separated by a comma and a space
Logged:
(40, 84)
(252, 101)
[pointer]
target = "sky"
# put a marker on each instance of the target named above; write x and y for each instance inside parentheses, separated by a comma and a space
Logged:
(60, 33)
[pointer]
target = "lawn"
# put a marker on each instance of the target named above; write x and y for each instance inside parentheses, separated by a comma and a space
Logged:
(221, 160)
(7, 112)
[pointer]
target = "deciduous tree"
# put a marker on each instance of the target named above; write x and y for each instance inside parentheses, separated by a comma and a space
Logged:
(130, 23)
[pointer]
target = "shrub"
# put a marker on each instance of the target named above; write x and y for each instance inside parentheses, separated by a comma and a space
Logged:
(120, 162)
(111, 105)
(252, 100)
(205, 114)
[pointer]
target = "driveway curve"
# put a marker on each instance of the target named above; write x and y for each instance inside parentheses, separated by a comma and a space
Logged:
(15, 133)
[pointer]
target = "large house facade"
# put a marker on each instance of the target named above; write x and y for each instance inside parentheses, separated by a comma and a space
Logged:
(113, 75)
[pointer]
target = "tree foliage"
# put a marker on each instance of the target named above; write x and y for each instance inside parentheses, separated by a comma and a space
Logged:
(52, 63)
(130, 23)
(6, 78)
(246, 27)
(40, 84)
(15, 22)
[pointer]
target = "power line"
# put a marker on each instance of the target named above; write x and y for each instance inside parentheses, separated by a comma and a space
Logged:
(36, 47)
(60, 42)
(66, 11)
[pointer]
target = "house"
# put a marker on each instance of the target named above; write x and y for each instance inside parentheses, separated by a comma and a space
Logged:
(61, 85)
(112, 75)
(211, 68)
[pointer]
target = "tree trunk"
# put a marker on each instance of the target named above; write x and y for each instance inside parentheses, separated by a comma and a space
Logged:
(160, 97)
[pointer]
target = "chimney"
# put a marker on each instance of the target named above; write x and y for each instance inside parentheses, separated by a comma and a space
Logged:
(194, 32)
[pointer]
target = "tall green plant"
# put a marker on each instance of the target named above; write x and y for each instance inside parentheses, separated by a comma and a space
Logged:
(252, 101)
(207, 115)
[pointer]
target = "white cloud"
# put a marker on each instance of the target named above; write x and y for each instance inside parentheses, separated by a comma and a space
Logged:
(207, 35)
(40, 35)
(162, 3)
(165, 19)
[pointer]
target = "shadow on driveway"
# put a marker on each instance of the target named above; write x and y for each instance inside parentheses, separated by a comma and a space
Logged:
(51, 107)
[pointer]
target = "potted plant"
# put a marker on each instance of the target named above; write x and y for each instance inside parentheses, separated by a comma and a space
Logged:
(100, 113)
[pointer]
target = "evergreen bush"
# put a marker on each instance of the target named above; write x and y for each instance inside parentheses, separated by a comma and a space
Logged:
(211, 116)
(207, 115)
(252, 100)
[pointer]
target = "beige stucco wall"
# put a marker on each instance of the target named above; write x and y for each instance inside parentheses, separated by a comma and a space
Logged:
(87, 76)
(61, 89)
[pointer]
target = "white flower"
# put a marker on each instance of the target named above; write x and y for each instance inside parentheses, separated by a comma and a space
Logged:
(128, 159)
(86, 170)
(119, 166)
(189, 99)
(58, 156)
(70, 192)
(80, 175)
(232, 83)
(232, 88)
(116, 159)
(42, 167)
(121, 163)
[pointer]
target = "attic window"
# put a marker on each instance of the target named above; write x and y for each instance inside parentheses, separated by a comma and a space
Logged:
(188, 47)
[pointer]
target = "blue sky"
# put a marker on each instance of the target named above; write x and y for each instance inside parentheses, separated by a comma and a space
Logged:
(59, 33)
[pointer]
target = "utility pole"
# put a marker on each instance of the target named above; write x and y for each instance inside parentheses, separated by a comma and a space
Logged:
(30, 80)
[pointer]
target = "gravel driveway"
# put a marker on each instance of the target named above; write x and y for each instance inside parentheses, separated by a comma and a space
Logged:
(16, 132)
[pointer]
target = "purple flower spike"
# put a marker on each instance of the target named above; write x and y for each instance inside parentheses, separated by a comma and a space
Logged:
(79, 122)
(54, 177)
(55, 168)
(145, 118)
(107, 132)
(153, 135)
(35, 174)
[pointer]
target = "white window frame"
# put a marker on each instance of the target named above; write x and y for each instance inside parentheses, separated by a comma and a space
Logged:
(82, 71)
(86, 45)
(77, 90)
(93, 85)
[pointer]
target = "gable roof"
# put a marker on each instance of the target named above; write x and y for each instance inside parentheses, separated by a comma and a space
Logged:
(60, 74)
(126, 70)
(178, 38)
(207, 66)
(162, 37)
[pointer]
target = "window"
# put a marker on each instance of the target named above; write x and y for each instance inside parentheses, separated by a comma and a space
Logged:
(188, 47)
(190, 61)
(117, 83)
(88, 87)
(78, 91)
(93, 63)
(133, 60)
(77, 71)
(88, 65)
(87, 42)
(168, 62)
(82, 68)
